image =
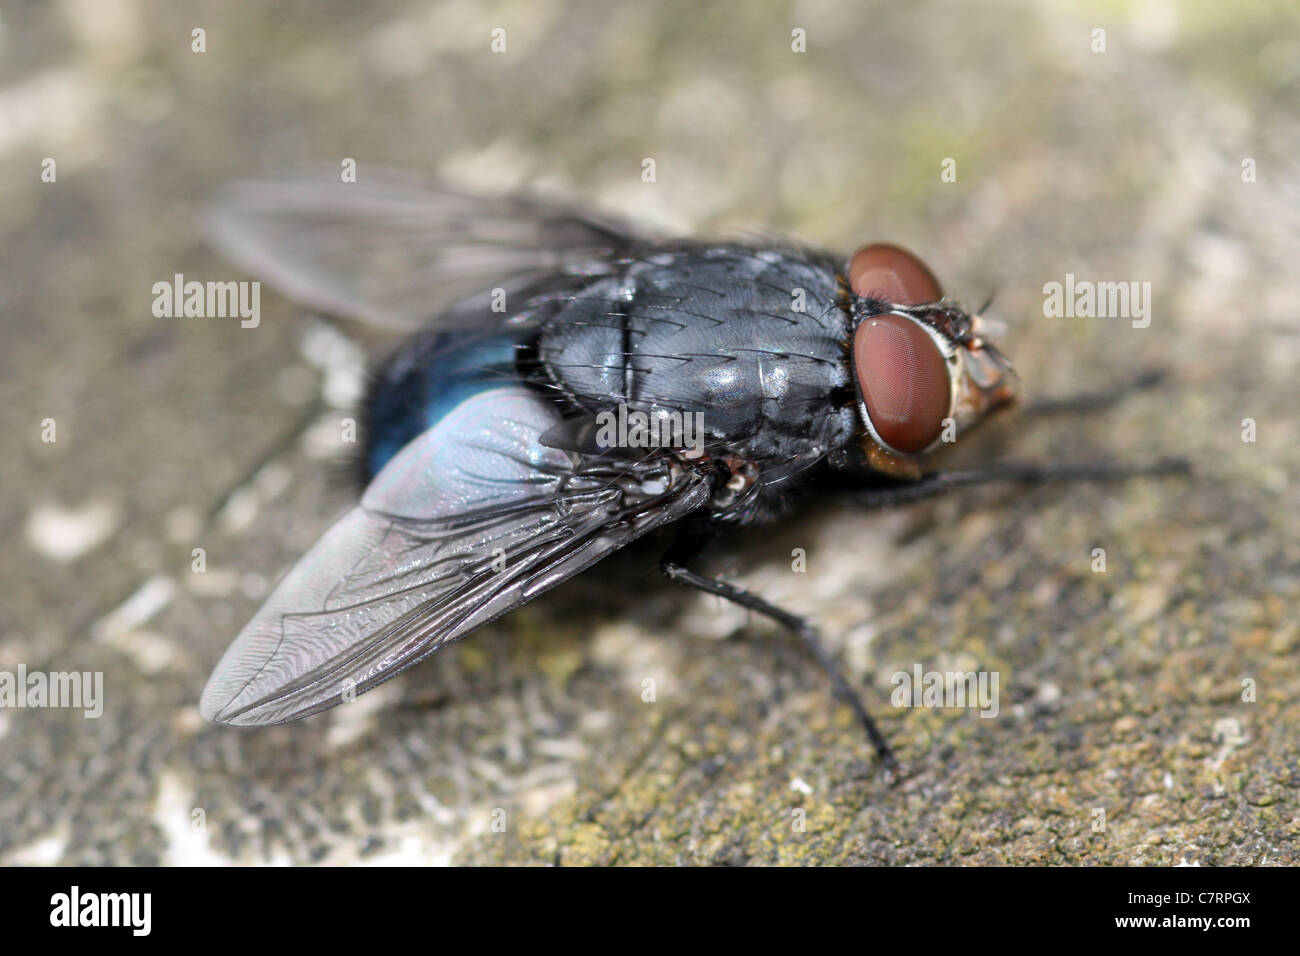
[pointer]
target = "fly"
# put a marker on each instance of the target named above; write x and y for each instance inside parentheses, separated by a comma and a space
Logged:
(524, 431)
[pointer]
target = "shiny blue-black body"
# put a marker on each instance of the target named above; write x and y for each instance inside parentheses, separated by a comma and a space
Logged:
(755, 340)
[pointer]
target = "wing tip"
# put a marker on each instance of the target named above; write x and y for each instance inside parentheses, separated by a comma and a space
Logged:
(219, 706)
(214, 706)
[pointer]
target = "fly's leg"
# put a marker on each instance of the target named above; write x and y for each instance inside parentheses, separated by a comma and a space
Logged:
(939, 482)
(1082, 403)
(689, 545)
(807, 632)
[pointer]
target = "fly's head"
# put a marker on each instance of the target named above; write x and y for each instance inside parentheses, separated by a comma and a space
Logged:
(923, 370)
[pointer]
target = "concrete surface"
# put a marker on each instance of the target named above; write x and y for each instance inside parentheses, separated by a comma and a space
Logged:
(1121, 692)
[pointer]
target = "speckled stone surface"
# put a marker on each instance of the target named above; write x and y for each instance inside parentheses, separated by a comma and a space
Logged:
(1121, 693)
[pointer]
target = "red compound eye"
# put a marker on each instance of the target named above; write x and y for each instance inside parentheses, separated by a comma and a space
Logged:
(904, 381)
(882, 271)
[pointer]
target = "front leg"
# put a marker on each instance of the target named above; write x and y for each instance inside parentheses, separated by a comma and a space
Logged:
(936, 483)
(1083, 403)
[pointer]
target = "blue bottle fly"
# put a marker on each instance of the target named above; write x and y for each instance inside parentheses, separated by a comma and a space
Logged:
(536, 419)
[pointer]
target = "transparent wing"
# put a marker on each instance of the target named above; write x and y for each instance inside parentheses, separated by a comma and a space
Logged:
(470, 520)
(395, 252)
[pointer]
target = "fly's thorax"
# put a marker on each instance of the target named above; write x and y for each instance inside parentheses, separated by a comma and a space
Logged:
(751, 339)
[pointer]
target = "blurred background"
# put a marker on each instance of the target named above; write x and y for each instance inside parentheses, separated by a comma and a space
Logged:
(1151, 141)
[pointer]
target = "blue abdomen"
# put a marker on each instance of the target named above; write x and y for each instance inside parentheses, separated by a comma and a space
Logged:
(426, 379)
